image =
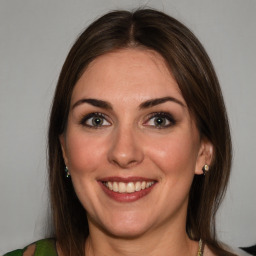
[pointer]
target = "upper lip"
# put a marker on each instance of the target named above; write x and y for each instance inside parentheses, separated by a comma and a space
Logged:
(125, 179)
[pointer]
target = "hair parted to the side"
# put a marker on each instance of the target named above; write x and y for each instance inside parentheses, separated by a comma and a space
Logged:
(195, 75)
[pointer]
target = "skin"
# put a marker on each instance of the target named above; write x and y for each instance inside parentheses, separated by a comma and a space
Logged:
(128, 143)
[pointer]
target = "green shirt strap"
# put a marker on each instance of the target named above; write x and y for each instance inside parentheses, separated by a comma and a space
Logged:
(14, 253)
(45, 247)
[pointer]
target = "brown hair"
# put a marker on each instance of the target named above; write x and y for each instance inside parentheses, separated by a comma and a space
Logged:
(195, 75)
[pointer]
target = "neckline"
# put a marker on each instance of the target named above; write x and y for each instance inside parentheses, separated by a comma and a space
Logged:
(200, 252)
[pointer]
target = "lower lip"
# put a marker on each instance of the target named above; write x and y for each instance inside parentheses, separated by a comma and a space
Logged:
(126, 197)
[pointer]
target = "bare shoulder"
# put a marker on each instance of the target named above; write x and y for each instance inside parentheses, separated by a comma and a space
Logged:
(30, 250)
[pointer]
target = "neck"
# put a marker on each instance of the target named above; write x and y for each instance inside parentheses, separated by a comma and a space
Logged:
(169, 243)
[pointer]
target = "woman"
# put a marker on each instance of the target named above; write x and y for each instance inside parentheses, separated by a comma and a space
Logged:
(139, 142)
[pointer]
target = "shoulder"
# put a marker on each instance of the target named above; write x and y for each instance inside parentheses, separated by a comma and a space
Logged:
(44, 247)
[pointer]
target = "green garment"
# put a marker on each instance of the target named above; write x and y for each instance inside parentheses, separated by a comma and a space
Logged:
(45, 247)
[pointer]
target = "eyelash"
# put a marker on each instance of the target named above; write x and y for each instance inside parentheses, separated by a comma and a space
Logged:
(91, 116)
(162, 115)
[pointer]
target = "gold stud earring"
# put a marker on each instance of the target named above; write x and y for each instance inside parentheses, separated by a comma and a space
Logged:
(205, 168)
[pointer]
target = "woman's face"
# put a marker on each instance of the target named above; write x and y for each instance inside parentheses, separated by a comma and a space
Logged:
(131, 146)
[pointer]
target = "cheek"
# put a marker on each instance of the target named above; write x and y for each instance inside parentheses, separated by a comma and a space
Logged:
(85, 156)
(85, 153)
(175, 155)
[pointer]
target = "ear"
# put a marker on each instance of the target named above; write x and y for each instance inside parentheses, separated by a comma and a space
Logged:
(205, 156)
(63, 148)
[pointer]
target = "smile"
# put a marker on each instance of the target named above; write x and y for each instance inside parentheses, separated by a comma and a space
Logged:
(127, 187)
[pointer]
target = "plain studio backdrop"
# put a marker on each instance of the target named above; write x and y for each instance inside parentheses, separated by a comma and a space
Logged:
(36, 36)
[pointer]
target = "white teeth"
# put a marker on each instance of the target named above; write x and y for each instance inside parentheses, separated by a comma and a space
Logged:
(109, 185)
(143, 185)
(122, 187)
(129, 187)
(138, 186)
(115, 187)
(149, 184)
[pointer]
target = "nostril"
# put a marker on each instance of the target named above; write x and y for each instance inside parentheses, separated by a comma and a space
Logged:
(125, 150)
(125, 164)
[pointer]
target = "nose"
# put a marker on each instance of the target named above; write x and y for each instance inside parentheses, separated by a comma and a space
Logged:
(125, 150)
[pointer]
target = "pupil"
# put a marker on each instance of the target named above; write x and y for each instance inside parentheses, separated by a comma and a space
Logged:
(97, 121)
(159, 121)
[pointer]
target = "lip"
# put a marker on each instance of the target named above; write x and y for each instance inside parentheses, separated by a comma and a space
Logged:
(125, 179)
(126, 197)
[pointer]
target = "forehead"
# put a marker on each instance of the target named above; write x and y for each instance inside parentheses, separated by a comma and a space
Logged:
(128, 72)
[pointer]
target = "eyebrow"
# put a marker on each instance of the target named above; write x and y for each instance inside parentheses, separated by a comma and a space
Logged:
(157, 101)
(94, 102)
(147, 104)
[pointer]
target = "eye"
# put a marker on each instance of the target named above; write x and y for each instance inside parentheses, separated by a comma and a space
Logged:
(160, 120)
(95, 120)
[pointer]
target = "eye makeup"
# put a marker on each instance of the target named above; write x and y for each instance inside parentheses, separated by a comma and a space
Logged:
(160, 120)
(157, 120)
(94, 120)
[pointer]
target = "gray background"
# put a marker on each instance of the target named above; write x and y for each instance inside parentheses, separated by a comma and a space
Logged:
(35, 39)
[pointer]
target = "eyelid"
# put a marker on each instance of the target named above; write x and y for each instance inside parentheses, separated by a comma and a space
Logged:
(91, 115)
(166, 115)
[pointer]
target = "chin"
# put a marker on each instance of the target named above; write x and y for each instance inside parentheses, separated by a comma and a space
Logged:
(126, 232)
(125, 226)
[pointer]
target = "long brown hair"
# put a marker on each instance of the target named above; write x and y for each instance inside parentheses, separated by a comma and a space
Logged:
(195, 75)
